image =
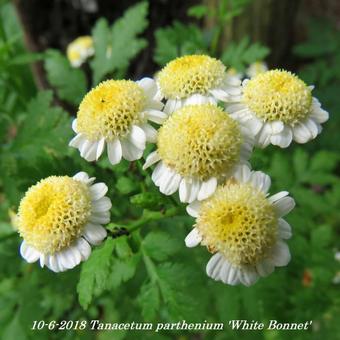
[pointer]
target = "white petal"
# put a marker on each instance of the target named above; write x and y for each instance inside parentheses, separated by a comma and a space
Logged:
(156, 116)
(77, 141)
(91, 153)
(53, 263)
(248, 276)
(214, 266)
(100, 218)
(157, 172)
(254, 125)
(263, 137)
(100, 148)
(94, 233)
(29, 253)
(97, 191)
(285, 230)
(229, 274)
(84, 177)
(260, 180)
(280, 254)
(189, 189)
(284, 205)
(318, 114)
(74, 125)
(282, 139)
(130, 152)
(172, 105)
(152, 158)
(312, 127)
(235, 108)
(137, 137)
(149, 86)
(84, 248)
(68, 258)
(114, 151)
(193, 239)
(220, 94)
(198, 99)
(103, 204)
(276, 126)
(242, 173)
(150, 133)
(153, 104)
(301, 133)
(207, 189)
(265, 267)
(173, 185)
(278, 196)
(193, 208)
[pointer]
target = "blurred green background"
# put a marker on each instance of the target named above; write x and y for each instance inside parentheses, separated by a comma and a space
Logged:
(150, 276)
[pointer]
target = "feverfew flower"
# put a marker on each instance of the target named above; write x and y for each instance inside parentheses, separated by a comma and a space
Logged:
(256, 68)
(116, 113)
(278, 107)
(79, 50)
(243, 228)
(198, 146)
(196, 79)
(60, 217)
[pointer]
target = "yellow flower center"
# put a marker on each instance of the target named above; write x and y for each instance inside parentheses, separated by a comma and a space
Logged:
(110, 109)
(278, 95)
(190, 74)
(53, 213)
(239, 222)
(79, 47)
(200, 141)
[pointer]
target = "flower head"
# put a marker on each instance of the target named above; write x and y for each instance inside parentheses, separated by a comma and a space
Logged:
(59, 217)
(116, 113)
(278, 107)
(196, 79)
(197, 146)
(243, 228)
(79, 50)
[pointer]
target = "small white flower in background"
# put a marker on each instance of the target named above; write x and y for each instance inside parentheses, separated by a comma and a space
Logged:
(116, 113)
(234, 75)
(256, 68)
(278, 107)
(198, 146)
(196, 79)
(79, 50)
(60, 217)
(243, 228)
(337, 256)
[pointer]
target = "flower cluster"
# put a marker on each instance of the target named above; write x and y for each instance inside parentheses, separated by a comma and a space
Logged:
(204, 124)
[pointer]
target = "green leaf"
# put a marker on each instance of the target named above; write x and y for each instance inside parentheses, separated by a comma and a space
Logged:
(321, 237)
(94, 273)
(125, 185)
(148, 200)
(178, 40)
(149, 300)
(198, 11)
(116, 46)
(69, 82)
(239, 55)
(324, 161)
(159, 245)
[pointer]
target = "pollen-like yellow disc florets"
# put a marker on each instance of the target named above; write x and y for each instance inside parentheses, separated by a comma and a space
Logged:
(278, 95)
(190, 74)
(110, 109)
(200, 141)
(239, 222)
(53, 213)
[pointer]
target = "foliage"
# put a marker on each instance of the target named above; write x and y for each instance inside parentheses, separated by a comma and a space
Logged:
(143, 272)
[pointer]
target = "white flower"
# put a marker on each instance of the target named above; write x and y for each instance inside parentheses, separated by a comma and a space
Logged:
(60, 217)
(197, 146)
(243, 228)
(256, 68)
(116, 114)
(196, 79)
(79, 50)
(278, 107)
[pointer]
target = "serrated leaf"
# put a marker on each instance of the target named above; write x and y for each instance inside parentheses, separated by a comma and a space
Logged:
(69, 82)
(149, 300)
(94, 273)
(160, 245)
(116, 46)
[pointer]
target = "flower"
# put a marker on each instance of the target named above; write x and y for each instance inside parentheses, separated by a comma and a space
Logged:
(256, 68)
(116, 113)
(196, 147)
(60, 217)
(243, 228)
(196, 79)
(278, 107)
(79, 50)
